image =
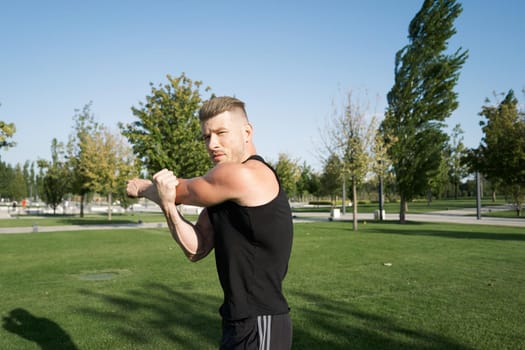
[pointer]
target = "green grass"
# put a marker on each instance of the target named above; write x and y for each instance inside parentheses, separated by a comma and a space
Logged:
(449, 286)
(506, 214)
(89, 219)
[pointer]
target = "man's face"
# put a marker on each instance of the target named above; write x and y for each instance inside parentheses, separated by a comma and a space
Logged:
(226, 136)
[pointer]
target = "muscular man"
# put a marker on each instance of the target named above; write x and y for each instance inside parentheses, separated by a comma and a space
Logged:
(247, 219)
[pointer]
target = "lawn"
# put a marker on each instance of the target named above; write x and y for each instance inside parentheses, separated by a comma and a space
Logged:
(388, 286)
(88, 219)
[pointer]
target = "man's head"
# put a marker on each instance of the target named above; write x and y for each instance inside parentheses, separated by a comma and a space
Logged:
(226, 130)
(218, 105)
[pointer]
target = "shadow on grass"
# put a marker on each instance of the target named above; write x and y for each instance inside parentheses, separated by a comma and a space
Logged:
(97, 222)
(329, 324)
(47, 334)
(156, 312)
(415, 228)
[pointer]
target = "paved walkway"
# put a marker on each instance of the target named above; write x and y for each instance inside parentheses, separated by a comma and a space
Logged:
(448, 216)
(464, 216)
(37, 228)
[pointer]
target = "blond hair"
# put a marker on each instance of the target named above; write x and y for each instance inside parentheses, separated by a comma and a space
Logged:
(218, 105)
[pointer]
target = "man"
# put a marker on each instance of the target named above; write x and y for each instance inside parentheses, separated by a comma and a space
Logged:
(247, 219)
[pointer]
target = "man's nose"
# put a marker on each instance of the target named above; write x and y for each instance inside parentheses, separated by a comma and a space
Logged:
(212, 141)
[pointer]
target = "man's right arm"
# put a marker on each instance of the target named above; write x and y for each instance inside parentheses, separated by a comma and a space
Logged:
(196, 240)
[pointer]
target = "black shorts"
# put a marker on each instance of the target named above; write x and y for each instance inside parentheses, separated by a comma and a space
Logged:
(269, 332)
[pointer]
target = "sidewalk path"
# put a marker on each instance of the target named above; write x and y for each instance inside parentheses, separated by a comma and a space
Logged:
(466, 216)
(37, 228)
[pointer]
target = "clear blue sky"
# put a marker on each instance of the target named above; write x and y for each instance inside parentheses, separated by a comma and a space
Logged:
(288, 60)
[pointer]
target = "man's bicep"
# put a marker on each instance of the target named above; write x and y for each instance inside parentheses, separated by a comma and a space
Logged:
(210, 189)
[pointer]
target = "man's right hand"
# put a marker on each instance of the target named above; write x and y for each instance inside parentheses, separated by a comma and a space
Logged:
(166, 183)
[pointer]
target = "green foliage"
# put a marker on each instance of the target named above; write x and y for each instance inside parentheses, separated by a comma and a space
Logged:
(107, 162)
(331, 181)
(289, 173)
(501, 154)
(456, 152)
(308, 183)
(7, 131)
(85, 126)
(12, 182)
(57, 179)
(422, 98)
(167, 133)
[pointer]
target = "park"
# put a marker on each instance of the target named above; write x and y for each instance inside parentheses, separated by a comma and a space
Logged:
(421, 285)
(399, 225)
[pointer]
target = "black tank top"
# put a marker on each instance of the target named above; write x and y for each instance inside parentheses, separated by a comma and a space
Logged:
(252, 250)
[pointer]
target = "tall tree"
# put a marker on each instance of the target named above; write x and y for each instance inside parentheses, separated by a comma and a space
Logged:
(85, 126)
(107, 162)
(422, 98)
(381, 165)
(289, 173)
(167, 133)
(308, 182)
(18, 188)
(501, 154)
(56, 179)
(331, 180)
(456, 152)
(350, 136)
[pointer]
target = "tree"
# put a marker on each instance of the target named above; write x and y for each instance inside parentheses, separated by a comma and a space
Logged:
(168, 133)
(437, 184)
(422, 98)
(85, 126)
(350, 136)
(331, 181)
(308, 182)
(381, 165)
(108, 162)
(289, 173)
(456, 152)
(18, 185)
(501, 154)
(30, 179)
(7, 130)
(56, 179)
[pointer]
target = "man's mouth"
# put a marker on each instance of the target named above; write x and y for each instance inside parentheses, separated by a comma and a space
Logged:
(217, 156)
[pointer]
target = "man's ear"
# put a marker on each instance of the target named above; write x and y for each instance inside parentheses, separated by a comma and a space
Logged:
(248, 132)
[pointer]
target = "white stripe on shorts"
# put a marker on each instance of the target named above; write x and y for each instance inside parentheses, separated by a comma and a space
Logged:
(264, 325)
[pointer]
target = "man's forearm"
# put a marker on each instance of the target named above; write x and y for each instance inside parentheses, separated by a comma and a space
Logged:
(182, 231)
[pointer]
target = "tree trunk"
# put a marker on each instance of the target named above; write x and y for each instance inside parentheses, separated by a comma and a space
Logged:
(110, 199)
(402, 210)
(354, 204)
(343, 208)
(82, 196)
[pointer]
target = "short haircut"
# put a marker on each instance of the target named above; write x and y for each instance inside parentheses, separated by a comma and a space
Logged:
(218, 105)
